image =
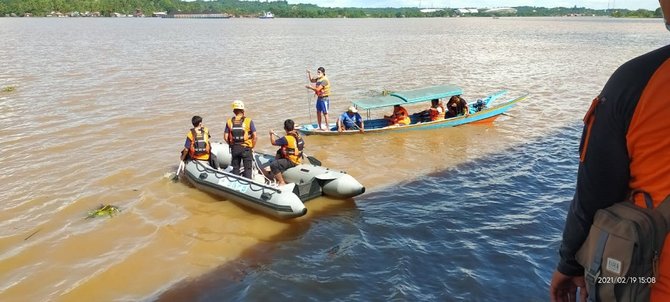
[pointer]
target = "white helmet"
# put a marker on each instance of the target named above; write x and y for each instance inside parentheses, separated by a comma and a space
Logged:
(238, 105)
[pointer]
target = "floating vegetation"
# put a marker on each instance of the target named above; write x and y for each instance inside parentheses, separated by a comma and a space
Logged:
(386, 92)
(104, 210)
(8, 88)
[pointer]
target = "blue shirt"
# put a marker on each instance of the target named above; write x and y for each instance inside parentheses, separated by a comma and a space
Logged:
(350, 121)
(281, 141)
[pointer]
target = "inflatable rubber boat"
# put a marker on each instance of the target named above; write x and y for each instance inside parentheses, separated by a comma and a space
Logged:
(304, 182)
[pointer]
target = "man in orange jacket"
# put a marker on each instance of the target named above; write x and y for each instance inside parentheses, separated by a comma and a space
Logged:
(624, 147)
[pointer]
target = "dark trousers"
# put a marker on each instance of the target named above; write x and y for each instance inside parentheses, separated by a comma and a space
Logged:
(213, 161)
(243, 154)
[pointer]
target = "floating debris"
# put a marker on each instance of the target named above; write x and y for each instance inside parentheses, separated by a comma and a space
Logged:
(31, 235)
(386, 92)
(104, 210)
(8, 88)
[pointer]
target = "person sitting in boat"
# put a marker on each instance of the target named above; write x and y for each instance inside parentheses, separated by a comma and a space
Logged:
(399, 117)
(197, 145)
(435, 112)
(457, 106)
(240, 133)
(350, 120)
(290, 153)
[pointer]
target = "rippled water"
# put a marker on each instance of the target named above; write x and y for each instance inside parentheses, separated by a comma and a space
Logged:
(101, 106)
(484, 230)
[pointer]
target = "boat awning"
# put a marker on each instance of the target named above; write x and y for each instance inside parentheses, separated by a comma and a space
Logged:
(409, 97)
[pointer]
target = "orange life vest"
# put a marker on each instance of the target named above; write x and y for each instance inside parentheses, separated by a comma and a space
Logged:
(293, 149)
(400, 116)
(325, 90)
(200, 146)
(435, 113)
(238, 132)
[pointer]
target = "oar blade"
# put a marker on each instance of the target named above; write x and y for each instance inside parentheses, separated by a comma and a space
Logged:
(314, 161)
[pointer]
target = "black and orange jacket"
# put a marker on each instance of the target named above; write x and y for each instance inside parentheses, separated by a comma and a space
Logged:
(198, 143)
(625, 145)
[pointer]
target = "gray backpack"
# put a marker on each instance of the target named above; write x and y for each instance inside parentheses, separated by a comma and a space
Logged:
(620, 255)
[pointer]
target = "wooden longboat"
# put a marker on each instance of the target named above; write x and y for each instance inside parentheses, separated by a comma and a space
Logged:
(492, 106)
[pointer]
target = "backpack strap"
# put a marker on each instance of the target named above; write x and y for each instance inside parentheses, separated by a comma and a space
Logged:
(647, 198)
(591, 276)
(662, 212)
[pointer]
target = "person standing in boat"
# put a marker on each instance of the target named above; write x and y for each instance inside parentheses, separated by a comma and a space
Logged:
(350, 120)
(399, 117)
(457, 106)
(240, 134)
(290, 153)
(197, 145)
(322, 91)
(623, 149)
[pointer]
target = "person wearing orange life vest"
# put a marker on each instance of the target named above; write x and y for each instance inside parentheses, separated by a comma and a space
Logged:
(240, 134)
(197, 145)
(435, 112)
(400, 116)
(322, 90)
(290, 153)
(624, 147)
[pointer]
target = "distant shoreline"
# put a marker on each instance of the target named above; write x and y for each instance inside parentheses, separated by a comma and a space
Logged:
(281, 9)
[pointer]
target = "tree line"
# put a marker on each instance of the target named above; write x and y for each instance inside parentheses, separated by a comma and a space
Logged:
(280, 9)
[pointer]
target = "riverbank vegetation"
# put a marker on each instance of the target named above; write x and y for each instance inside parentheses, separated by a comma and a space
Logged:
(281, 9)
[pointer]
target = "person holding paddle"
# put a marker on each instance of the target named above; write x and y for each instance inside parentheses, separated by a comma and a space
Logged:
(290, 154)
(350, 120)
(322, 91)
(197, 145)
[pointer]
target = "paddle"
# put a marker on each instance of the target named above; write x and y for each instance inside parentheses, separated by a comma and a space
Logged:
(309, 97)
(179, 170)
(312, 160)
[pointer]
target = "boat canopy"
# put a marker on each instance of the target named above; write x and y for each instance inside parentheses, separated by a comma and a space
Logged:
(409, 97)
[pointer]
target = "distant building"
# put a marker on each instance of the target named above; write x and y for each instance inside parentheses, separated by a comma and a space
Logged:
(463, 11)
(430, 10)
(500, 10)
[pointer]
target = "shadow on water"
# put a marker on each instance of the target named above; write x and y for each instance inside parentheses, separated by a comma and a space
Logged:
(257, 258)
(485, 230)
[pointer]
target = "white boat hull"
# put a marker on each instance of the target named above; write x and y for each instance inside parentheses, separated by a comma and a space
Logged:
(279, 202)
(311, 181)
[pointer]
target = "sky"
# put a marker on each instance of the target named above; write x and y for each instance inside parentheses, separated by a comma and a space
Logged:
(595, 4)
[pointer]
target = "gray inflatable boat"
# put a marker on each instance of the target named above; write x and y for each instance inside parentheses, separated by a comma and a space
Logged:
(280, 202)
(304, 182)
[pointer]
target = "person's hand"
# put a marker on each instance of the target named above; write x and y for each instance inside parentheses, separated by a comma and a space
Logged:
(361, 130)
(339, 129)
(564, 288)
(308, 86)
(272, 131)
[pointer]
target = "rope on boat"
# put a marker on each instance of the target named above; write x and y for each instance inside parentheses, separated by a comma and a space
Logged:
(261, 187)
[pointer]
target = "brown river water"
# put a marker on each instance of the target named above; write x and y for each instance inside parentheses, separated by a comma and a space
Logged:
(100, 108)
